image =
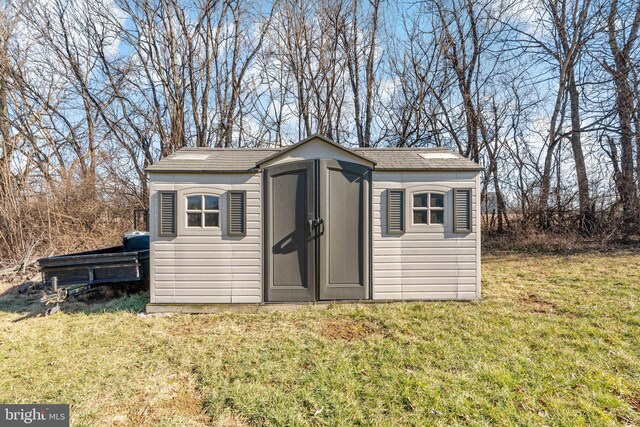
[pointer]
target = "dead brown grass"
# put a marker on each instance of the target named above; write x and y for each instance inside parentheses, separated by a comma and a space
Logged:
(565, 243)
(634, 402)
(231, 420)
(173, 397)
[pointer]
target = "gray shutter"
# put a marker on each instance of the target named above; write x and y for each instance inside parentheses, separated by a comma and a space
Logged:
(395, 211)
(167, 217)
(462, 210)
(236, 213)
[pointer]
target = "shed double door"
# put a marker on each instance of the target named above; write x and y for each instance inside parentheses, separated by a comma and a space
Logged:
(316, 226)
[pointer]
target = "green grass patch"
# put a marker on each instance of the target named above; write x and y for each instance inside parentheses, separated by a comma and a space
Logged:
(555, 341)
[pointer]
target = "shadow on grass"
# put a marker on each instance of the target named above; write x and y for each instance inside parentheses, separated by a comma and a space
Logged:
(114, 298)
(132, 303)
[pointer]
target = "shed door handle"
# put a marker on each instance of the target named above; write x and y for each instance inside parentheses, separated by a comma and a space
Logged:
(313, 223)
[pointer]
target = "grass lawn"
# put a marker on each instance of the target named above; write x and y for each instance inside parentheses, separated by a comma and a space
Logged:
(555, 341)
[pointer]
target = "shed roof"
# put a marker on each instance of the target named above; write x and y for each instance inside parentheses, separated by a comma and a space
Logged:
(415, 159)
(222, 160)
(247, 160)
(321, 138)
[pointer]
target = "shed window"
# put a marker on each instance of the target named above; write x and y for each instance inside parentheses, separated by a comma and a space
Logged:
(428, 208)
(203, 211)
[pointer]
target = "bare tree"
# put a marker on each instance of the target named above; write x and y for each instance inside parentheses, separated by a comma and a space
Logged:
(563, 28)
(622, 42)
(358, 51)
(91, 93)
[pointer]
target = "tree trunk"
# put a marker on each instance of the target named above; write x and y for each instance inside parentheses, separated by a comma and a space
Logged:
(624, 109)
(586, 213)
(544, 216)
(6, 144)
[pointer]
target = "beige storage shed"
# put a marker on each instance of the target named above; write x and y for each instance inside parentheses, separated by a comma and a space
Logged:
(314, 221)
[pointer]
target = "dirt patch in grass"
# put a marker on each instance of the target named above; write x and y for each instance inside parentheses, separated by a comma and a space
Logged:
(350, 330)
(178, 400)
(174, 399)
(537, 305)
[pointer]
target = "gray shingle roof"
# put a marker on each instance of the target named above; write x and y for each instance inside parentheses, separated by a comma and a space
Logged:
(242, 160)
(224, 160)
(431, 158)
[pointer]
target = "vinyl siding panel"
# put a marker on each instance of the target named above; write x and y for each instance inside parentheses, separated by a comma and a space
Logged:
(427, 262)
(201, 266)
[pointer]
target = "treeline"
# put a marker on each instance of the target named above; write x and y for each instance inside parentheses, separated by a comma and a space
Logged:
(545, 95)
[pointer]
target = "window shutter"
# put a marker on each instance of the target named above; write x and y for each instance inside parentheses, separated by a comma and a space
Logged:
(462, 211)
(167, 217)
(395, 211)
(236, 213)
